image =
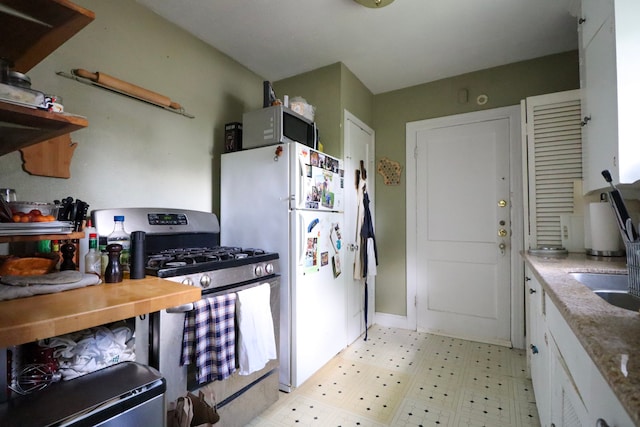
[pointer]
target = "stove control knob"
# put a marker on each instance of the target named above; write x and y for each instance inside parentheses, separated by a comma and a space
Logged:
(259, 271)
(269, 268)
(205, 281)
(187, 281)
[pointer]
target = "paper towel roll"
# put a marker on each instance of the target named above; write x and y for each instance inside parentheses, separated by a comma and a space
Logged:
(605, 235)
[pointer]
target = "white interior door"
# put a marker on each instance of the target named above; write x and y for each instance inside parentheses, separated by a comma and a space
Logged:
(463, 230)
(359, 145)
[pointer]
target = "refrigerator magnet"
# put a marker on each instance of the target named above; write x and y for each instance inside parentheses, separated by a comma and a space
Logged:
(324, 259)
(312, 224)
(337, 269)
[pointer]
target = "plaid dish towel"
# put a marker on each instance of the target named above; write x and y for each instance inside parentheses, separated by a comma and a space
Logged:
(209, 338)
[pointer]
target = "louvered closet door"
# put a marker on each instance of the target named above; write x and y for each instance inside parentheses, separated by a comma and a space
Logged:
(554, 163)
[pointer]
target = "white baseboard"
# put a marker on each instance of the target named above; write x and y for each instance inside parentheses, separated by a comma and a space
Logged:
(393, 321)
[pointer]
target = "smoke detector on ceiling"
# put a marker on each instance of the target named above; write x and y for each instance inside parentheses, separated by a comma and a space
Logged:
(374, 3)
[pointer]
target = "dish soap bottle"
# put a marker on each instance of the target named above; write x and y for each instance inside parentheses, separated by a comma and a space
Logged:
(121, 237)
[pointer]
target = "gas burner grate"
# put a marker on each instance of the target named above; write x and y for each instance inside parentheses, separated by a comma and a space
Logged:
(190, 257)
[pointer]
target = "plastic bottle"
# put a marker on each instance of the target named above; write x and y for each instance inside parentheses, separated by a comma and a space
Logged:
(92, 260)
(84, 244)
(121, 237)
(114, 273)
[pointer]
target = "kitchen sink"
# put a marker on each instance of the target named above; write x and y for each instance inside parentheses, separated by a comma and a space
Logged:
(613, 288)
(620, 299)
(603, 281)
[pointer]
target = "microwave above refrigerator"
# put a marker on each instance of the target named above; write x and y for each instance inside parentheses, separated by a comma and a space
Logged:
(275, 125)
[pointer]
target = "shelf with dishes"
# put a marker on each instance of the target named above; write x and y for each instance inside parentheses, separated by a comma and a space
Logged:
(37, 236)
(22, 126)
(29, 32)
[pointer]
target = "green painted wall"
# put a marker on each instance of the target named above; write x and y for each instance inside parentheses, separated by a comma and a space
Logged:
(132, 153)
(331, 89)
(320, 88)
(355, 97)
(504, 86)
(335, 88)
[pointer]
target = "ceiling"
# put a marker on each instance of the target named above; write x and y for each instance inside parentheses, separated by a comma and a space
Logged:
(406, 43)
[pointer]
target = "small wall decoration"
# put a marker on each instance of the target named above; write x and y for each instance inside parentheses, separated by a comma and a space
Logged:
(390, 171)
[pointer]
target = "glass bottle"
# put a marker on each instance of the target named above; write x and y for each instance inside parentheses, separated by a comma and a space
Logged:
(121, 237)
(104, 256)
(92, 260)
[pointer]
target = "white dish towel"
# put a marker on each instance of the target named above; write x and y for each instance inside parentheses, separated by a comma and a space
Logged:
(256, 341)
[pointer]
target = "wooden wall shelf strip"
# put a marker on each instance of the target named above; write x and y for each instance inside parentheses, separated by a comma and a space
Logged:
(23, 126)
(25, 320)
(35, 238)
(88, 82)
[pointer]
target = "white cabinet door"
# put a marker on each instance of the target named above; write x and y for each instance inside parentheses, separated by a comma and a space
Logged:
(609, 70)
(606, 406)
(594, 13)
(538, 350)
(579, 394)
(600, 134)
(567, 407)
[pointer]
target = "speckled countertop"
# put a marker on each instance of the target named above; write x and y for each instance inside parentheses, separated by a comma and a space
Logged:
(605, 331)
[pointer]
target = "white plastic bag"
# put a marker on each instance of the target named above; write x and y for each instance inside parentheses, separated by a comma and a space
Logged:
(85, 351)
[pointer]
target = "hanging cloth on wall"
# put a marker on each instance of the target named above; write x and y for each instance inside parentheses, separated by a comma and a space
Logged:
(366, 259)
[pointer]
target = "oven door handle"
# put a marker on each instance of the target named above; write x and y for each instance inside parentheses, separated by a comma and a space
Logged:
(180, 308)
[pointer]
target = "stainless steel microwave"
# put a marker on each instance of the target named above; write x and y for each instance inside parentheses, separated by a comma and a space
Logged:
(275, 125)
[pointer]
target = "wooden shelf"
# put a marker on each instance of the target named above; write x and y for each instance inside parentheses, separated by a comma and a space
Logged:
(37, 237)
(26, 42)
(23, 126)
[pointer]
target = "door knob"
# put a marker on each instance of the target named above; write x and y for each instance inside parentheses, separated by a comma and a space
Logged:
(502, 203)
(502, 232)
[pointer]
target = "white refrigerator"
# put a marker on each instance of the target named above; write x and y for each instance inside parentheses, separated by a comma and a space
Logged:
(288, 198)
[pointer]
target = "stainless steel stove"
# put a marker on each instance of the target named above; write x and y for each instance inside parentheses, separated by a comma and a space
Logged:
(212, 268)
(184, 246)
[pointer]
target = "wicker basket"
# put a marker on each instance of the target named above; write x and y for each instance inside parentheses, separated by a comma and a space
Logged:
(633, 263)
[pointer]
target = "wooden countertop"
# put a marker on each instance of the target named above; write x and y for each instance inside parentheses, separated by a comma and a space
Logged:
(606, 332)
(25, 320)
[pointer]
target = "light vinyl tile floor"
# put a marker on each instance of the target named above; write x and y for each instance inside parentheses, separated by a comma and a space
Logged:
(404, 378)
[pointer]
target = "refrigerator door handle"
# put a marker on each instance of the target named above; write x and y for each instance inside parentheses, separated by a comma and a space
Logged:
(301, 240)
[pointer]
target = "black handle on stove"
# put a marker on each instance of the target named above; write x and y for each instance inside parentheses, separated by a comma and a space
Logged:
(180, 309)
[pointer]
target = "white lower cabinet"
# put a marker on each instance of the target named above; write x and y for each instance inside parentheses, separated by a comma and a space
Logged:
(570, 391)
(567, 405)
(537, 345)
